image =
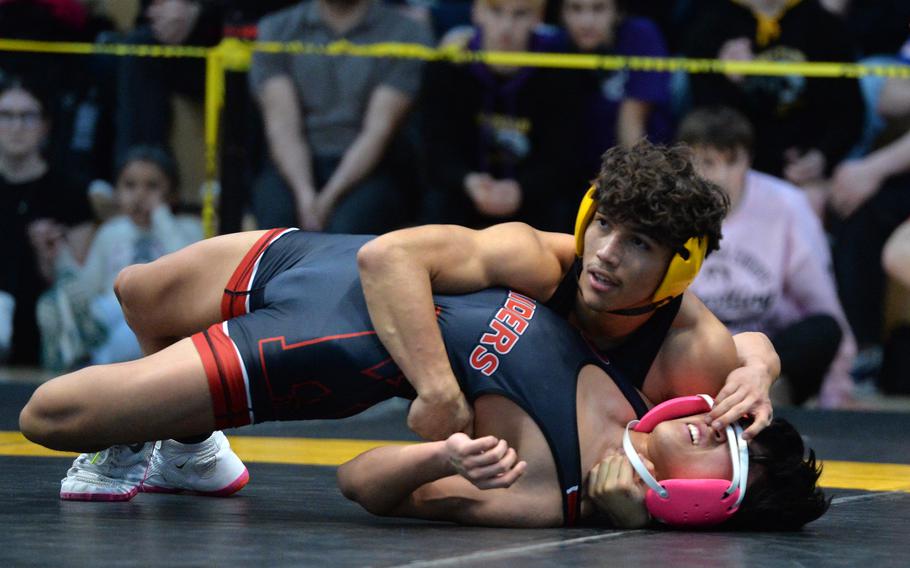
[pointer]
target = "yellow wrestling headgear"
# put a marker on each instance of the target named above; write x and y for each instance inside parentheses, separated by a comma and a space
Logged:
(684, 265)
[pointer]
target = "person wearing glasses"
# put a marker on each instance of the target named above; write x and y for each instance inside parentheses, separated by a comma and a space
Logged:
(36, 203)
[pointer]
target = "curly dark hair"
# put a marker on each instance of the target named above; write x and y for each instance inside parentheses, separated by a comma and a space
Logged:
(655, 189)
(782, 494)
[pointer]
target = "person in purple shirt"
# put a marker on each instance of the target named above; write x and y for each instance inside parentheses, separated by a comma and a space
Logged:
(499, 139)
(625, 105)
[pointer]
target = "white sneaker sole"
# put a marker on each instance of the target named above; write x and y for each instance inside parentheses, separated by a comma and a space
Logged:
(108, 497)
(229, 489)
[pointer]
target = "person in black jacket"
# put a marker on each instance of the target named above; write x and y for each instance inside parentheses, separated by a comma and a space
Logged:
(804, 126)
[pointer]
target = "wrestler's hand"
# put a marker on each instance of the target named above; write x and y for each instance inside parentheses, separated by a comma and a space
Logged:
(436, 418)
(488, 462)
(618, 492)
(746, 392)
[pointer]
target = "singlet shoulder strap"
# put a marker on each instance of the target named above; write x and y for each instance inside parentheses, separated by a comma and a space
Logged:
(563, 299)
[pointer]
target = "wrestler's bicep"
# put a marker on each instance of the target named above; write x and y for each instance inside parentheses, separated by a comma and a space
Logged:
(514, 255)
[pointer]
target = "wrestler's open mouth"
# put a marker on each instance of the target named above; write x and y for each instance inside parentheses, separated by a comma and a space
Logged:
(602, 279)
(694, 434)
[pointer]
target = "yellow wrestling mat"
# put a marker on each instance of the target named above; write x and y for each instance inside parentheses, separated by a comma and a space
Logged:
(331, 452)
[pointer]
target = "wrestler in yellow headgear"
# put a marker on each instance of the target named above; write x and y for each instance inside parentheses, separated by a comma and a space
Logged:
(684, 265)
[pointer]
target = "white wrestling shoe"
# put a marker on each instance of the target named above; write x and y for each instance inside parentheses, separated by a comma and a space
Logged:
(208, 468)
(110, 475)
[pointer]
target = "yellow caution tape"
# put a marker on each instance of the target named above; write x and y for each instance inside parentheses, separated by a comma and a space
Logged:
(236, 55)
(103, 48)
(214, 102)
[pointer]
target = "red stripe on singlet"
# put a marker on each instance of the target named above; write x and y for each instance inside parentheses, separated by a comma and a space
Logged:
(233, 304)
(571, 509)
(225, 377)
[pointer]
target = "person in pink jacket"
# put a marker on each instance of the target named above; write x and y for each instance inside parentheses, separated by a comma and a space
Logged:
(773, 270)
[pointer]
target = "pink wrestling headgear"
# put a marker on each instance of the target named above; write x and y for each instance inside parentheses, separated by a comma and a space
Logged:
(690, 502)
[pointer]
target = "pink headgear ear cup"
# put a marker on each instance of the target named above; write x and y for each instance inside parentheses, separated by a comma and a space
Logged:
(693, 502)
(690, 502)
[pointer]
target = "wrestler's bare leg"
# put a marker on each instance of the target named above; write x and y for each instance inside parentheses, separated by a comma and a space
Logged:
(164, 395)
(180, 293)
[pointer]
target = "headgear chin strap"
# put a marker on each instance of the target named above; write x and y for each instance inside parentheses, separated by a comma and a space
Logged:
(690, 502)
(682, 270)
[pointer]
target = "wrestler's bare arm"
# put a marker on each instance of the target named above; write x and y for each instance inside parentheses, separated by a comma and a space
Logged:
(474, 482)
(401, 270)
(747, 388)
(700, 355)
(696, 356)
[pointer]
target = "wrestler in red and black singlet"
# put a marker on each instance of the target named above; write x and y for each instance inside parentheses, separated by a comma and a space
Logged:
(298, 344)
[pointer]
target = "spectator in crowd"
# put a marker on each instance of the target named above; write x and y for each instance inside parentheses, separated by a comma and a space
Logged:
(894, 374)
(772, 273)
(804, 126)
(80, 142)
(145, 84)
(856, 181)
(499, 140)
(329, 120)
(872, 195)
(80, 317)
(624, 105)
(35, 201)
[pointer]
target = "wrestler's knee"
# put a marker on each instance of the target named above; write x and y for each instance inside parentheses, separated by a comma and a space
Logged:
(49, 418)
(137, 288)
(127, 285)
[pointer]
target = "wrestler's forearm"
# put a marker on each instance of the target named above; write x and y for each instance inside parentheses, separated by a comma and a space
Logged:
(400, 271)
(383, 479)
(755, 350)
(399, 299)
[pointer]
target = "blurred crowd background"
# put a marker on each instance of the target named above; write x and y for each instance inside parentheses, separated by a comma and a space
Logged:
(101, 157)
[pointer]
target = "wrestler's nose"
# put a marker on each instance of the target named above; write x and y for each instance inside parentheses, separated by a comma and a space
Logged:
(719, 436)
(609, 250)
